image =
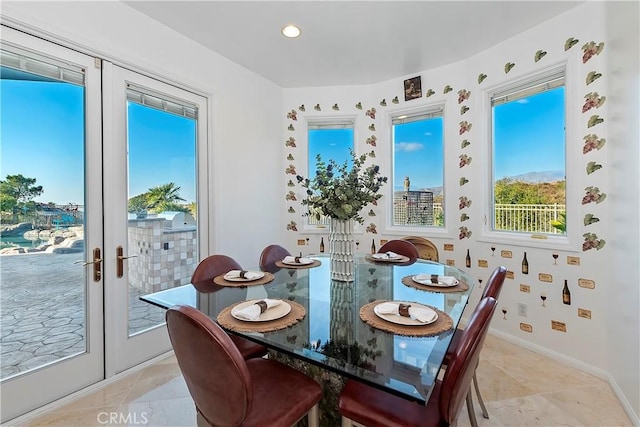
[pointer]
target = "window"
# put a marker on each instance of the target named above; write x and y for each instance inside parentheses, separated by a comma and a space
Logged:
(529, 178)
(418, 169)
(331, 139)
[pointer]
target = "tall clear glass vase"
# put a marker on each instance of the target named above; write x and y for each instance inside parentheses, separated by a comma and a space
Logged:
(341, 250)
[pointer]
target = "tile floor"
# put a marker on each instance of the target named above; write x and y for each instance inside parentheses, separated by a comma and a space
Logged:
(520, 388)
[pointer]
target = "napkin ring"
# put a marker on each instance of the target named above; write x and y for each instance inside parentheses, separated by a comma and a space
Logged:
(297, 260)
(403, 310)
(262, 305)
(242, 274)
(434, 278)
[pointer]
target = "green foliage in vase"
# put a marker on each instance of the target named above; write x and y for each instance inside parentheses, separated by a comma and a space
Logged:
(342, 191)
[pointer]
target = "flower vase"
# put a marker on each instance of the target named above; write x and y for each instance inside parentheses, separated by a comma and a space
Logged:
(341, 250)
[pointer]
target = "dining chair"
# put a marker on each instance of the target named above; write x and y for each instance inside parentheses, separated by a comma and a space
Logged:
(426, 248)
(373, 407)
(202, 280)
(270, 255)
(492, 289)
(230, 391)
(401, 247)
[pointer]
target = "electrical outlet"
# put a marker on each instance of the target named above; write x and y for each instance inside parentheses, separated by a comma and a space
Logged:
(522, 309)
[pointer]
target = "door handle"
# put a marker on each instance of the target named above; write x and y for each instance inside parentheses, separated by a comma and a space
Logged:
(97, 264)
(119, 258)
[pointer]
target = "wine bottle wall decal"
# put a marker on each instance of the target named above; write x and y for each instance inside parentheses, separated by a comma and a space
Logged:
(321, 245)
(525, 264)
(373, 246)
(566, 294)
(468, 259)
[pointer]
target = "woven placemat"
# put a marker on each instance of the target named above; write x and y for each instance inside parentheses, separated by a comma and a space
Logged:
(315, 263)
(460, 287)
(220, 280)
(442, 325)
(227, 321)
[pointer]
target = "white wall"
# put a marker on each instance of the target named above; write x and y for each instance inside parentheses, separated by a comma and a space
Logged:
(607, 343)
(245, 161)
(624, 294)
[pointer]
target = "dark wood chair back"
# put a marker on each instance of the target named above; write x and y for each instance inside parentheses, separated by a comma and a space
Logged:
(270, 255)
(210, 267)
(401, 247)
(457, 379)
(495, 282)
(215, 372)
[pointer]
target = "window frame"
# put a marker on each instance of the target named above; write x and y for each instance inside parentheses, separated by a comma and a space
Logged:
(341, 121)
(391, 116)
(570, 240)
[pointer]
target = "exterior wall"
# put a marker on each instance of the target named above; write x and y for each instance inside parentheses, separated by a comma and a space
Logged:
(164, 258)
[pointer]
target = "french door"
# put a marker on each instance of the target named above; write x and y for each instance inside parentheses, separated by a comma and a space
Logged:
(100, 173)
(51, 281)
(151, 153)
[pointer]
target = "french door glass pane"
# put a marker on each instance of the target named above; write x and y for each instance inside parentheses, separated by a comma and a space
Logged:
(162, 234)
(42, 287)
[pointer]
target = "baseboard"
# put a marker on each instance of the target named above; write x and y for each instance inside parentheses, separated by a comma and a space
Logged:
(574, 363)
(23, 419)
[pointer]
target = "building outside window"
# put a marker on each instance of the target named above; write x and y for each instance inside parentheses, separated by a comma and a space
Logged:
(418, 168)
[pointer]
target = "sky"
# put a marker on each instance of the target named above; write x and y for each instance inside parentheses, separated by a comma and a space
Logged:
(42, 133)
(42, 137)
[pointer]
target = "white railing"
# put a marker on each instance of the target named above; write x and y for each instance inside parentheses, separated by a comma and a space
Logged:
(508, 217)
(528, 218)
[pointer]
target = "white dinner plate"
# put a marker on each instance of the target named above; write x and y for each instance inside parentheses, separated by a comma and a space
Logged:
(244, 279)
(399, 258)
(407, 321)
(427, 282)
(306, 262)
(273, 313)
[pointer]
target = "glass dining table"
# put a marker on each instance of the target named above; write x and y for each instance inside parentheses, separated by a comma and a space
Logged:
(332, 334)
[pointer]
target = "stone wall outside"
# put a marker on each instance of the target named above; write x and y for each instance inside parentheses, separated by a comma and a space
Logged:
(165, 258)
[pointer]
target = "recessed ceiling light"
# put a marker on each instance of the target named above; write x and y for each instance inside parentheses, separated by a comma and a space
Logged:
(290, 31)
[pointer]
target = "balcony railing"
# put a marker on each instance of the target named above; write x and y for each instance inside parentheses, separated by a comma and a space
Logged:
(508, 217)
(527, 218)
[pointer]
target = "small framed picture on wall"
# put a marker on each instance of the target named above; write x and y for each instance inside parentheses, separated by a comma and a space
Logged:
(412, 88)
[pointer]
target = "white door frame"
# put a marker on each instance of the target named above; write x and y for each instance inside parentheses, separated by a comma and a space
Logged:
(124, 351)
(26, 392)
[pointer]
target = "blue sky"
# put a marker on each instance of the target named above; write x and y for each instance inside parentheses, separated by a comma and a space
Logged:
(42, 134)
(43, 138)
(418, 153)
(534, 145)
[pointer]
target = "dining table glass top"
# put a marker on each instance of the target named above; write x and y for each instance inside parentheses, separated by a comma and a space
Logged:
(332, 334)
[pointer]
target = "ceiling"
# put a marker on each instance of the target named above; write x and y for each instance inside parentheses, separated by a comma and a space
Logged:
(348, 42)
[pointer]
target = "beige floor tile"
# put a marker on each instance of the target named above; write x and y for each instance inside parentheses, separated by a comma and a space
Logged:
(88, 417)
(169, 412)
(520, 388)
(592, 406)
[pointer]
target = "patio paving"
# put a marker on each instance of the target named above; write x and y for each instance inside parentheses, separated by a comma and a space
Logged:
(42, 310)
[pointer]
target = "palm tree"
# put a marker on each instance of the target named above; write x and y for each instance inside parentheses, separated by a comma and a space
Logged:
(161, 197)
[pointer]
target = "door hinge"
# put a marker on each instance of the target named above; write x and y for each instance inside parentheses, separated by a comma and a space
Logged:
(97, 62)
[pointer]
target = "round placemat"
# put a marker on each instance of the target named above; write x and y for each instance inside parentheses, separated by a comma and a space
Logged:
(460, 287)
(442, 325)
(220, 280)
(227, 321)
(315, 263)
